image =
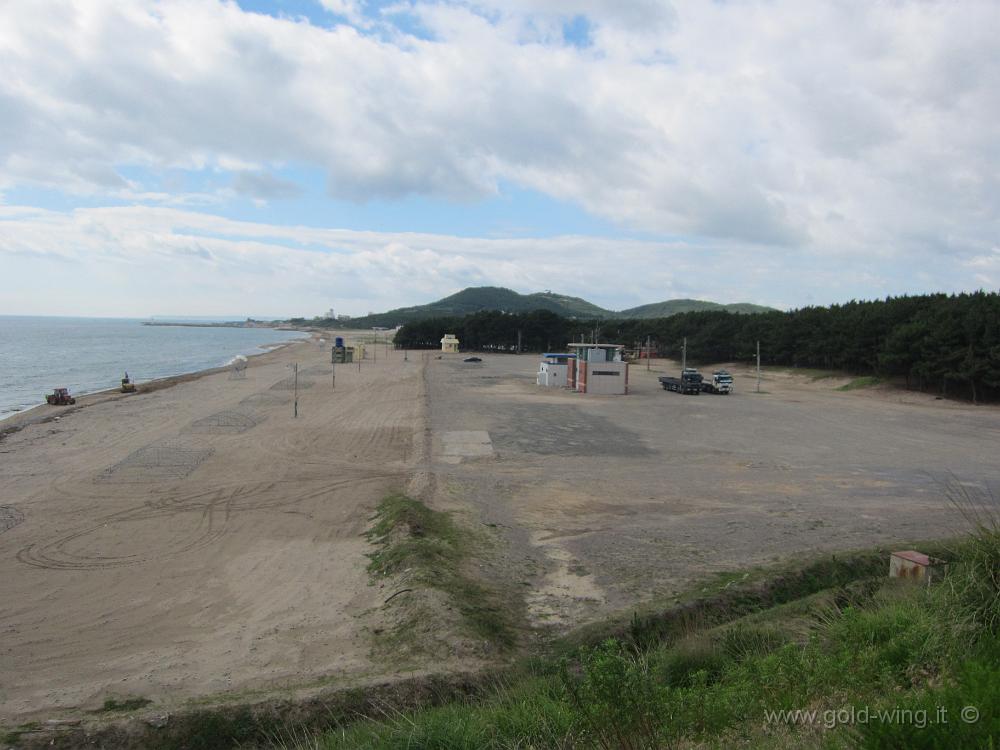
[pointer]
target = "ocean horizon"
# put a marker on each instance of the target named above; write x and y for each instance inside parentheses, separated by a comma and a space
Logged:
(39, 353)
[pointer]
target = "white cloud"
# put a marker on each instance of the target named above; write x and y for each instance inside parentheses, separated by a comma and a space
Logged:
(144, 260)
(852, 133)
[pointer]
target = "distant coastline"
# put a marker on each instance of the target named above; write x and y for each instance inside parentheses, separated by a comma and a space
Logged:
(91, 355)
(222, 324)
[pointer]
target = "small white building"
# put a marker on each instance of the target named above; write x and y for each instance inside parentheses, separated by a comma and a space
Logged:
(553, 371)
(599, 370)
(449, 344)
(912, 564)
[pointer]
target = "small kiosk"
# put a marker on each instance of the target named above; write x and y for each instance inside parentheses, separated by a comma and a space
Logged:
(598, 369)
(449, 344)
(553, 372)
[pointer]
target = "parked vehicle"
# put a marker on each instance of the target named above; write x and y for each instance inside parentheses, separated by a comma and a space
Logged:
(60, 397)
(689, 382)
(720, 382)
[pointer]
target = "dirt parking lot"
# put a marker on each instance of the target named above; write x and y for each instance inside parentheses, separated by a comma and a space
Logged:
(605, 501)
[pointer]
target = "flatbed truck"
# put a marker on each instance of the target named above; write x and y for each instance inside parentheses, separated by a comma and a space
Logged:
(688, 383)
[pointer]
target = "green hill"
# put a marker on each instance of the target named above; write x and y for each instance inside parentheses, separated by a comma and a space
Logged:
(674, 306)
(476, 299)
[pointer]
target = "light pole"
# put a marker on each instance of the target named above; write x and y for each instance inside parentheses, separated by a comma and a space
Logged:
(758, 367)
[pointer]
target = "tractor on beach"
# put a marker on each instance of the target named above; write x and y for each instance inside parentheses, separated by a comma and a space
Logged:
(60, 397)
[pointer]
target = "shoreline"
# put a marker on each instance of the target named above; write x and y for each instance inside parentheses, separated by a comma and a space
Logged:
(41, 413)
(234, 324)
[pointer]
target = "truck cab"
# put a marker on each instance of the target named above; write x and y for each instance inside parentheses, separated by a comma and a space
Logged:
(721, 382)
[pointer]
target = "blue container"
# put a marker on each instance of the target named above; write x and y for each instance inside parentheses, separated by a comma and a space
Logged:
(338, 341)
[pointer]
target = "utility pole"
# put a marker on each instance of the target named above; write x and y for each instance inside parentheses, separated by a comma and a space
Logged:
(333, 376)
(375, 350)
(518, 340)
(758, 367)
(684, 355)
(295, 412)
(647, 353)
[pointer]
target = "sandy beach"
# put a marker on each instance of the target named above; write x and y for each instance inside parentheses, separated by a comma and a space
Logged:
(197, 538)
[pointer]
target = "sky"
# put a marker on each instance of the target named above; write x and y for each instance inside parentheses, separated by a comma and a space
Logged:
(278, 158)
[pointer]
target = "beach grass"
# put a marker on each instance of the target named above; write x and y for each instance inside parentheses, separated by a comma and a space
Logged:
(434, 552)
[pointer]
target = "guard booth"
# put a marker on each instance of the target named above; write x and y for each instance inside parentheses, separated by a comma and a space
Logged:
(598, 369)
(553, 371)
(342, 354)
(449, 344)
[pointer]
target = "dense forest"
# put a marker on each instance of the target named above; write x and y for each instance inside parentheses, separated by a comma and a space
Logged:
(946, 343)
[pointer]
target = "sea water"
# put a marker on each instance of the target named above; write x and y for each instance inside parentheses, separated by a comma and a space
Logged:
(85, 355)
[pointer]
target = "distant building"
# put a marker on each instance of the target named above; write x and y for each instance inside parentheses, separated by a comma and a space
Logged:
(330, 315)
(449, 344)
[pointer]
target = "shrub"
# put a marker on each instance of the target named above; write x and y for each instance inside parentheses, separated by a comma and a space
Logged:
(745, 641)
(696, 655)
(617, 698)
(973, 581)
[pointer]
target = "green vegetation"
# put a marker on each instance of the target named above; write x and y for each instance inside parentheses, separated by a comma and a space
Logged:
(868, 381)
(814, 373)
(432, 550)
(501, 300)
(14, 735)
(904, 659)
(112, 705)
(678, 306)
(950, 344)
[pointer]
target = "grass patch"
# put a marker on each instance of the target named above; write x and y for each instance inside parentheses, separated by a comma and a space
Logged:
(814, 373)
(725, 597)
(125, 704)
(13, 736)
(433, 551)
(868, 381)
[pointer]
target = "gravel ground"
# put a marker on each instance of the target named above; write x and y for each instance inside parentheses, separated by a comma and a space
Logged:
(602, 502)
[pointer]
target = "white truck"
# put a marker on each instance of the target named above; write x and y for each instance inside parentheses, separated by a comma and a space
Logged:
(720, 382)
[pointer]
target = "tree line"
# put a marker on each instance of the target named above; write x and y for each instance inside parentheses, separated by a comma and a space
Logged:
(940, 342)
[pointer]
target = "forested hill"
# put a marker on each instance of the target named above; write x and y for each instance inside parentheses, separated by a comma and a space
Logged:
(949, 344)
(499, 299)
(676, 306)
